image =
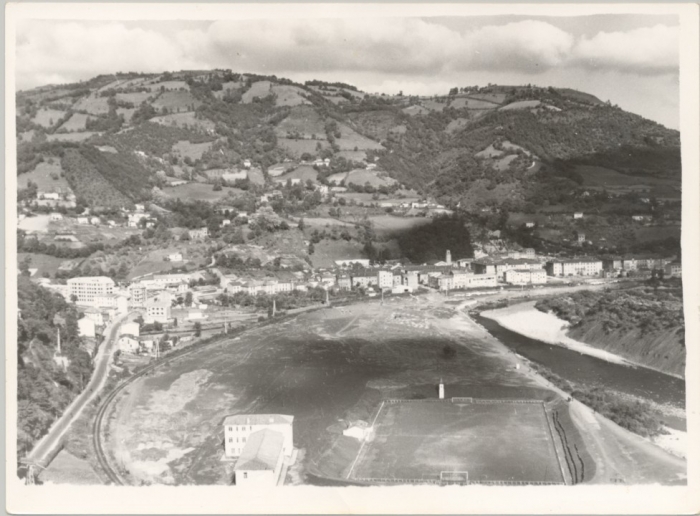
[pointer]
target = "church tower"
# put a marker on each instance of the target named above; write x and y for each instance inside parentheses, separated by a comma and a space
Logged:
(441, 389)
(448, 257)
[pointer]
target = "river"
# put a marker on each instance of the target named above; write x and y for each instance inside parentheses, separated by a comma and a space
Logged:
(588, 370)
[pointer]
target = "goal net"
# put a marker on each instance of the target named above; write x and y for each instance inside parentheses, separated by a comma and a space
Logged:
(454, 477)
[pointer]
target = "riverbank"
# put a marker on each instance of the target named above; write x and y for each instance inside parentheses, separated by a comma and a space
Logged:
(525, 319)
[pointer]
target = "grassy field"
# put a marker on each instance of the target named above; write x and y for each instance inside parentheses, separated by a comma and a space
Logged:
(192, 150)
(93, 104)
(497, 441)
(127, 113)
(464, 102)
(197, 192)
(231, 85)
(47, 176)
(256, 176)
(289, 95)
(303, 120)
(351, 140)
(183, 120)
(76, 122)
(42, 262)
(260, 89)
(136, 98)
(167, 85)
(299, 147)
(304, 173)
(521, 104)
(70, 137)
(48, 117)
(176, 101)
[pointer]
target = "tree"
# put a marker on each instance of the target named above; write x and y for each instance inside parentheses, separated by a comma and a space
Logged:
(301, 224)
(188, 299)
(197, 329)
(73, 298)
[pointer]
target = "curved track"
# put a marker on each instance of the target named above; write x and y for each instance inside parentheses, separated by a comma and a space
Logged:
(104, 405)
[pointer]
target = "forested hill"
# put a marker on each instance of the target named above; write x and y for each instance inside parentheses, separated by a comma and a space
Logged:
(640, 324)
(45, 388)
(118, 136)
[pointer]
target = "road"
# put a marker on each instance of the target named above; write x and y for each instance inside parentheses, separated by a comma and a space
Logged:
(100, 373)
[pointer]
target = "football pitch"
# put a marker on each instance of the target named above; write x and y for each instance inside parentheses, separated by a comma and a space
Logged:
(487, 441)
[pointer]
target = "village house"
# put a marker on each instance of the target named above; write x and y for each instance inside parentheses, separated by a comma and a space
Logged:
(525, 277)
(95, 316)
(135, 218)
(364, 278)
(642, 218)
(95, 221)
(128, 344)
(673, 269)
(344, 282)
(499, 267)
(55, 217)
(578, 215)
(575, 267)
(385, 279)
(198, 234)
(612, 264)
(175, 257)
(83, 220)
(158, 308)
(86, 327)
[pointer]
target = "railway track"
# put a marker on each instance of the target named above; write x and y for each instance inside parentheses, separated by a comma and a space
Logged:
(104, 406)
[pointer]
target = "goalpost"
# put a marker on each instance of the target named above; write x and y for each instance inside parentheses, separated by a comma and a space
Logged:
(454, 477)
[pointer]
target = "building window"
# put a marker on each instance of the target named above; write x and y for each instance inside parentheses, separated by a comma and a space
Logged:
(245, 474)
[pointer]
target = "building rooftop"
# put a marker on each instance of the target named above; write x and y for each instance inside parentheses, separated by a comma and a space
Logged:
(258, 419)
(261, 452)
(94, 279)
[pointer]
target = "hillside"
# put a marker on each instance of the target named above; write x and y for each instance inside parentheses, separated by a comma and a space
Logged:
(267, 119)
(44, 388)
(642, 325)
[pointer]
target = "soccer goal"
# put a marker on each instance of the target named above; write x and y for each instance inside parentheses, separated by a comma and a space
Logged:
(454, 477)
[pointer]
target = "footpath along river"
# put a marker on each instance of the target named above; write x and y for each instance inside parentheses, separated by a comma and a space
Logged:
(571, 365)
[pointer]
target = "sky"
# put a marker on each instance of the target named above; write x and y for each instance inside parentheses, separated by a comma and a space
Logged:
(630, 60)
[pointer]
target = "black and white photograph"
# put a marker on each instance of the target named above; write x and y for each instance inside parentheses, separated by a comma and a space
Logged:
(353, 251)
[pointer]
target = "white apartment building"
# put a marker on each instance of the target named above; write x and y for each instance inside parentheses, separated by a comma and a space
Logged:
(158, 308)
(385, 279)
(239, 428)
(526, 277)
(86, 289)
(575, 267)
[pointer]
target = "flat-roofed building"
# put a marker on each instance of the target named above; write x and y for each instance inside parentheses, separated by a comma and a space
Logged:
(364, 278)
(575, 267)
(673, 269)
(344, 282)
(385, 279)
(86, 289)
(239, 428)
(525, 277)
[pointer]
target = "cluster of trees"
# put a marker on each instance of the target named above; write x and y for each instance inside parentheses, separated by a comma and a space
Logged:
(642, 309)
(45, 389)
(430, 241)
